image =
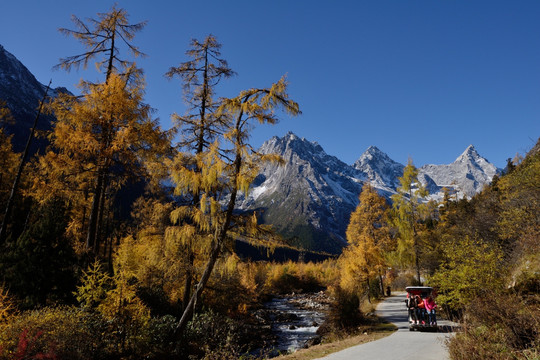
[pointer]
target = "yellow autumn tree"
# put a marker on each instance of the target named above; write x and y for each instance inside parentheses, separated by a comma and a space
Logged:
(200, 126)
(368, 238)
(98, 141)
(226, 168)
(410, 211)
(105, 135)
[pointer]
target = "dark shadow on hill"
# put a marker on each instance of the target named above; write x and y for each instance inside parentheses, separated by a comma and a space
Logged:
(247, 251)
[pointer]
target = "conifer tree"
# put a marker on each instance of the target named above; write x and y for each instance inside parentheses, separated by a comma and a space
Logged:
(22, 164)
(226, 170)
(200, 75)
(368, 238)
(101, 138)
(407, 215)
(101, 38)
(200, 126)
(8, 159)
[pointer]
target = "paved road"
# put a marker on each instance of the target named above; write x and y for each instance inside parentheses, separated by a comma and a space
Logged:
(403, 344)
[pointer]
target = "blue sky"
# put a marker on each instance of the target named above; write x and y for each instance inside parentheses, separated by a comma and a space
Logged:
(420, 79)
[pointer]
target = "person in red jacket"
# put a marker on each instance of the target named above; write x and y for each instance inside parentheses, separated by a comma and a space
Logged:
(421, 309)
(430, 310)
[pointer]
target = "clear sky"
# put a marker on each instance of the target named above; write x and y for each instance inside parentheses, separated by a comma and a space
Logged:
(415, 78)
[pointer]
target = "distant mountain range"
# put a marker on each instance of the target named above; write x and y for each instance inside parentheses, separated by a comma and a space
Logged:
(309, 199)
(22, 92)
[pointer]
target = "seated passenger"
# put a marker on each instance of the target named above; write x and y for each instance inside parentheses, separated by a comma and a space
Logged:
(411, 306)
(430, 309)
(421, 309)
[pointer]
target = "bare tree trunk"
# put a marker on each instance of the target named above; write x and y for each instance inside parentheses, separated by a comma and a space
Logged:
(368, 290)
(99, 227)
(416, 256)
(189, 277)
(17, 180)
(219, 239)
(94, 214)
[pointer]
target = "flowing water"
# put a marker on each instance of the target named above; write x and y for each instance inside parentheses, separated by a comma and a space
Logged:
(294, 326)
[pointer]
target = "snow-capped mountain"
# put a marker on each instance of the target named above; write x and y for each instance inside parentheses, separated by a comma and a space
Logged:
(309, 199)
(381, 171)
(466, 176)
(22, 93)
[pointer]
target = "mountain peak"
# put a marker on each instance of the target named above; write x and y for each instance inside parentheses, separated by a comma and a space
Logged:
(470, 150)
(373, 150)
(373, 153)
(470, 154)
(291, 136)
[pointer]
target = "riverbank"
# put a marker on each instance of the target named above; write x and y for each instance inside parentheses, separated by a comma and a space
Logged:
(329, 342)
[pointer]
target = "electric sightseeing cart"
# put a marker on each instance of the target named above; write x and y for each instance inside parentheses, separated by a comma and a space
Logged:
(419, 318)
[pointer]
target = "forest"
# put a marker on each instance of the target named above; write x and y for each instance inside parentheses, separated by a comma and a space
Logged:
(118, 240)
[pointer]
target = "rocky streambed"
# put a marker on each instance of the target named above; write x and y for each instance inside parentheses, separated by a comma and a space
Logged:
(294, 320)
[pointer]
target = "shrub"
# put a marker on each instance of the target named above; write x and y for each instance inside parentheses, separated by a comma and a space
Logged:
(210, 333)
(75, 334)
(498, 327)
(66, 332)
(345, 312)
(7, 306)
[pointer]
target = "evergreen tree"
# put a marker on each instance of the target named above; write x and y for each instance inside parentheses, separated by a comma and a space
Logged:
(40, 266)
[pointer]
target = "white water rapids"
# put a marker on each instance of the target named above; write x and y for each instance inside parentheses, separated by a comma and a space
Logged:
(294, 327)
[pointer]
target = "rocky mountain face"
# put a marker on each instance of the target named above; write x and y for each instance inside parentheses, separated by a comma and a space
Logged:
(466, 176)
(309, 199)
(379, 170)
(22, 93)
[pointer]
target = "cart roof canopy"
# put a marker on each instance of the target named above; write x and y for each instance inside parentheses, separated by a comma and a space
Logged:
(423, 291)
(419, 288)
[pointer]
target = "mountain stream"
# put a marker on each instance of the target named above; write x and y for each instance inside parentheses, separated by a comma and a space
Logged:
(295, 320)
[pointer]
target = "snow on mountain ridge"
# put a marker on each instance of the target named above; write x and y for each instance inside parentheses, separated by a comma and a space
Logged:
(466, 176)
(318, 191)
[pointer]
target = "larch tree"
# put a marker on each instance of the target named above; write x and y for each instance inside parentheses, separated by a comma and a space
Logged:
(407, 215)
(200, 76)
(200, 126)
(368, 238)
(101, 37)
(98, 141)
(226, 168)
(105, 134)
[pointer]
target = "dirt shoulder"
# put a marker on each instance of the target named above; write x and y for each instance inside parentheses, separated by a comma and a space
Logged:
(317, 351)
